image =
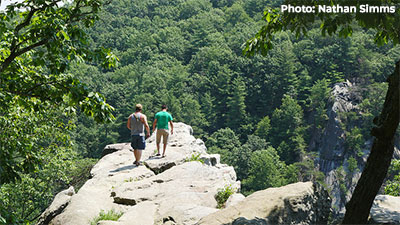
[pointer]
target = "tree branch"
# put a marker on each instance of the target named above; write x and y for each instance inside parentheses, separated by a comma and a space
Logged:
(14, 54)
(26, 22)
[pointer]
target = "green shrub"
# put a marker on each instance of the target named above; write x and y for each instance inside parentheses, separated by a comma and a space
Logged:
(355, 141)
(393, 183)
(110, 215)
(194, 157)
(223, 195)
(392, 188)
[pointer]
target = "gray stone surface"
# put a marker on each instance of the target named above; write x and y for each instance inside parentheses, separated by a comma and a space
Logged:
(234, 199)
(332, 144)
(61, 200)
(184, 193)
(299, 203)
(385, 210)
(211, 160)
(168, 189)
(141, 214)
(114, 147)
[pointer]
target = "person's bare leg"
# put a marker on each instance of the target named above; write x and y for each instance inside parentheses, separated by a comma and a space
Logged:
(138, 155)
(158, 148)
(165, 148)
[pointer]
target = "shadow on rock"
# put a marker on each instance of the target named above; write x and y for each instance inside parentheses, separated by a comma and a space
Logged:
(123, 168)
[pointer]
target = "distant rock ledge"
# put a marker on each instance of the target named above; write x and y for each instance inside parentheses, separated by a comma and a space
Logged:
(173, 190)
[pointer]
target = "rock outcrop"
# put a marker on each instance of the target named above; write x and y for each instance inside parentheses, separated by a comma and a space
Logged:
(160, 190)
(176, 190)
(385, 210)
(332, 144)
(299, 203)
(331, 147)
(61, 200)
(332, 153)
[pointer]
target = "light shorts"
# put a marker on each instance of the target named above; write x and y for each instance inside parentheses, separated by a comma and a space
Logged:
(162, 133)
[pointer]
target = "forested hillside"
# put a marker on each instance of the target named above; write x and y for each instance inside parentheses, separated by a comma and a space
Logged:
(259, 113)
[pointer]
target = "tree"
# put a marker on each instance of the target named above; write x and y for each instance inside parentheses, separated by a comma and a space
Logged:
(243, 156)
(39, 40)
(386, 28)
(263, 128)
(287, 130)
(317, 99)
(236, 105)
(224, 142)
(266, 170)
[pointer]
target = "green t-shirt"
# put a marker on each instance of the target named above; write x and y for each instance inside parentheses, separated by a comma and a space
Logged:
(162, 119)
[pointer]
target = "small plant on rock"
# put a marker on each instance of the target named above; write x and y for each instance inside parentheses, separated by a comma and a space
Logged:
(223, 195)
(195, 157)
(110, 215)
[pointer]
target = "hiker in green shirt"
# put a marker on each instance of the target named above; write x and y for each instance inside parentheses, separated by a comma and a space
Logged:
(162, 119)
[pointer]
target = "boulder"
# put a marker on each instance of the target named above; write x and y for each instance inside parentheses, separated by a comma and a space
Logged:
(234, 199)
(61, 200)
(141, 214)
(114, 147)
(385, 210)
(211, 160)
(299, 203)
(95, 195)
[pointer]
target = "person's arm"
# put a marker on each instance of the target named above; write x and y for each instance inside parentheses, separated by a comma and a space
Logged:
(128, 124)
(146, 125)
(154, 125)
(172, 126)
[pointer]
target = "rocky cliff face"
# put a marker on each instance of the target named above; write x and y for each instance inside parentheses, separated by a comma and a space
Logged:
(175, 190)
(331, 147)
(332, 152)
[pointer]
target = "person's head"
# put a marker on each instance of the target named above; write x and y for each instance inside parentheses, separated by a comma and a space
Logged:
(139, 107)
(164, 107)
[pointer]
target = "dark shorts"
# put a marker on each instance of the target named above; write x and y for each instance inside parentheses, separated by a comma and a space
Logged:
(138, 142)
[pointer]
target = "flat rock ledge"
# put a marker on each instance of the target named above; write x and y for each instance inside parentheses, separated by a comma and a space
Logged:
(299, 203)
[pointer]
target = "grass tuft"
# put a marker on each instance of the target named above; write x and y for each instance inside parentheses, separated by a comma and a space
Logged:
(110, 215)
(195, 157)
(223, 195)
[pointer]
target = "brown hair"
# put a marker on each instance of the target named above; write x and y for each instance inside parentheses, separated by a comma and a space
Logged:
(138, 107)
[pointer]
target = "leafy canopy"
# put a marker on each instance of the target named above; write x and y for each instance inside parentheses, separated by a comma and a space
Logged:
(386, 25)
(39, 39)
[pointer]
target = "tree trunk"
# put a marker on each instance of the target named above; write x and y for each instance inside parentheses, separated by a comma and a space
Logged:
(359, 206)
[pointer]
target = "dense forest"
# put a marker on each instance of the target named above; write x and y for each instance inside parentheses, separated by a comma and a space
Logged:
(258, 113)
